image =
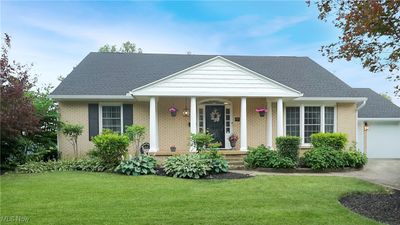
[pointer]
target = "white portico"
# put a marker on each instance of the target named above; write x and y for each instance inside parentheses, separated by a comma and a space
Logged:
(218, 92)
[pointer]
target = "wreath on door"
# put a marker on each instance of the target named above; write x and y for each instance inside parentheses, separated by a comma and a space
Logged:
(215, 116)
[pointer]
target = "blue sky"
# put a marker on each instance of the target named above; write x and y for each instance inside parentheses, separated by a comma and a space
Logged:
(56, 35)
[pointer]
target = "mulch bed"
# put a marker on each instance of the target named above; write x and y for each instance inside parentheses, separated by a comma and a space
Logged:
(381, 207)
(228, 175)
(305, 170)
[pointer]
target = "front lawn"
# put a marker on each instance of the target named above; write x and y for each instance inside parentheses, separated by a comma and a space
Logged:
(102, 198)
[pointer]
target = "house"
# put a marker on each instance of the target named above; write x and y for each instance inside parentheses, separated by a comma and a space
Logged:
(218, 94)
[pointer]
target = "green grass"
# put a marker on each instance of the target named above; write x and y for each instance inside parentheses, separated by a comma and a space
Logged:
(101, 198)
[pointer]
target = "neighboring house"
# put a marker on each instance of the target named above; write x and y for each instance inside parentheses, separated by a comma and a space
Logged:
(218, 94)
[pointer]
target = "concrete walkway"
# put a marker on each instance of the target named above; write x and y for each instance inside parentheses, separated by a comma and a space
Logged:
(380, 171)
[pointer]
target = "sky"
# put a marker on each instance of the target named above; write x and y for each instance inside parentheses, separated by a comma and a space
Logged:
(56, 35)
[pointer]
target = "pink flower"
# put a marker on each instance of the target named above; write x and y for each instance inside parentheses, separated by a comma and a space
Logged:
(173, 109)
(261, 109)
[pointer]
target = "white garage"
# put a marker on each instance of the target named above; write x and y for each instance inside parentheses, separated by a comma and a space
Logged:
(378, 126)
(380, 138)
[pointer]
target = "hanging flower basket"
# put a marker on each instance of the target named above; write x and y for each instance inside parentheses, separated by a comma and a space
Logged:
(173, 111)
(261, 111)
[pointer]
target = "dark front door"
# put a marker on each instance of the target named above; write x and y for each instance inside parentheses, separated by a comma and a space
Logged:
(215, 121)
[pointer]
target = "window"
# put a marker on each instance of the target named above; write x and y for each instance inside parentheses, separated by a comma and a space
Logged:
(111, 118)
(293, 121)
(312, 122)
(329, 119)
(228, 120)
(201, 120)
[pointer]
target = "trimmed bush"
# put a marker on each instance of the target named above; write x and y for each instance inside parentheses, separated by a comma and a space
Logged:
(262, 157)
(288, 147)
(138, 165)
(337, 141)
(193, 166)
(324, 158)
(90, 165)
(354, 158)
(110, 147)
(217, 162)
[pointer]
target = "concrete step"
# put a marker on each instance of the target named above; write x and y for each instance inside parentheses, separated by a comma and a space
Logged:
(236, 167)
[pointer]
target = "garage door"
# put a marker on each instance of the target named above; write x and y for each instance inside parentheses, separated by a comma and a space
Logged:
(383, 139)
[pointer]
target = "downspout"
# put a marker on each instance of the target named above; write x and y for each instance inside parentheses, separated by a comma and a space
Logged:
(358, 108)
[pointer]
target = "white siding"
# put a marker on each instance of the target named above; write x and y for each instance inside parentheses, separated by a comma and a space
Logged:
(217, 77)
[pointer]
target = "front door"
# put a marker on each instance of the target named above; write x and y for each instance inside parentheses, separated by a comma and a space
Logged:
(215, 122)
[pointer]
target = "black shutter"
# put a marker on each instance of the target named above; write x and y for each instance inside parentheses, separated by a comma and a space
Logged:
(93, 120)
(128, 115)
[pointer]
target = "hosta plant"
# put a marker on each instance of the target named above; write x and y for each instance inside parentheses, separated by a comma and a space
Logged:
(138, 165)
(193, 166)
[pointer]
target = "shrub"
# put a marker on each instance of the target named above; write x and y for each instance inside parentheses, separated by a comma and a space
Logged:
(138, 165)
(262, 157)
(192, 166)
(354, 158)
(201, 140)
(337, 141)
(217, 162)
(288, 147)
(257, 157)
(110, 147)
(278, 161)
(324, 158)
(90, 165)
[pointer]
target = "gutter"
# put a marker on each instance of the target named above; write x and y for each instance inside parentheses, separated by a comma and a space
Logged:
(362, 105)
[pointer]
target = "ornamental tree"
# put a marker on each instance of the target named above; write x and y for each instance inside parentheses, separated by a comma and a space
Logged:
(73, 131)
(136, 133)
(17, 113)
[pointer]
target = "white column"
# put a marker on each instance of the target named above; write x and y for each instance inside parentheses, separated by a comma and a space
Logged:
(193, 119)
(279, 118)
(269, 124)
(243, 124)
(153, 125)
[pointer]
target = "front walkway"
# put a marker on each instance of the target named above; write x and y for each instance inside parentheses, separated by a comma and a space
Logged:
(380, 171)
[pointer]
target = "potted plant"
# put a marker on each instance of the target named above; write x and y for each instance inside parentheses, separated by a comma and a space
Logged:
(172, 148)
(261, 111)
(173, 111)
(233, 139)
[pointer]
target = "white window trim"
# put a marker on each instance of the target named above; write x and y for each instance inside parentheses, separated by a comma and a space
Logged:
(101, 115)
(302, 106)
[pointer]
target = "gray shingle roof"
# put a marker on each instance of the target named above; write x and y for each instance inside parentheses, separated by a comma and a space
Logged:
(119, 73)
(376, 106)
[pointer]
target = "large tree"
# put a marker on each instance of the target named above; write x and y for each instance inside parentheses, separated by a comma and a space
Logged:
(17, 113)
(126, 47)
(370, 32)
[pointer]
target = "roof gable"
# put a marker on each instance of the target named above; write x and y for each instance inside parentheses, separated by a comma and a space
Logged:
(216, 77)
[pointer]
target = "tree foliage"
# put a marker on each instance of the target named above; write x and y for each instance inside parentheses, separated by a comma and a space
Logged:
(17, 113)
(73, 131)
(126, 47)
(370, 32)
(136, 133)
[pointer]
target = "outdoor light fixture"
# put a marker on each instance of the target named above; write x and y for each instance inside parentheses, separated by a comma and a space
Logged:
(365, 126)
(185, 111)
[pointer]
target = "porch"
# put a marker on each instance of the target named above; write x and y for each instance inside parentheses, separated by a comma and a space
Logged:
(232, 115)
